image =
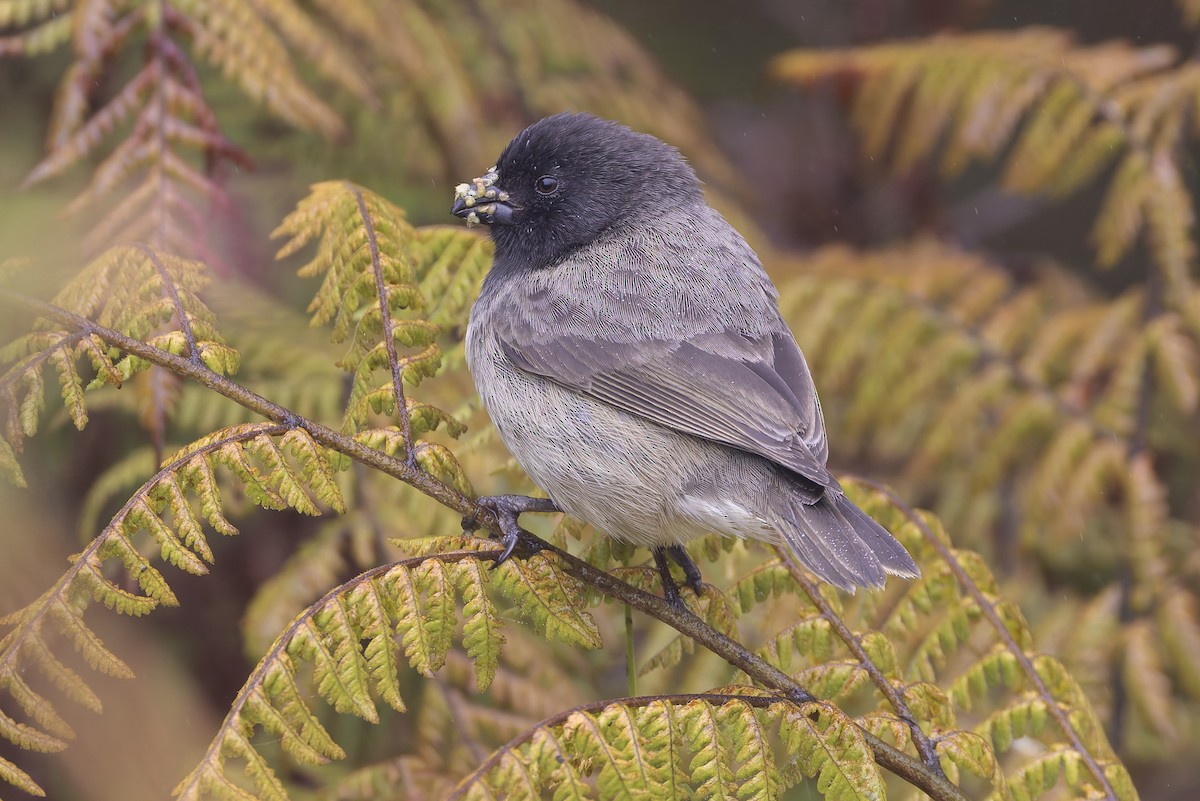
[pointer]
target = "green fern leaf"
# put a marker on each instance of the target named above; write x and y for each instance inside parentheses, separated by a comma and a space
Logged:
(70, 621)
(620, 775)
(374, 616)
(830, 749)
(756, 774)
(134, 290)
(425, 640)
(1180, 627)
(660, 725)
(811, 638)
(555, 763)
(482, 636)
(36, 706)
(550, 598)
(18, 778)
(974, 753)
(65, 680)
(331, 641)
(9, 467)
(708, 738)
(287, 717)
(28, 737)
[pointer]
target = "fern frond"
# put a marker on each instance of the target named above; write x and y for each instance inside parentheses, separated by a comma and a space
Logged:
(42, 36)
(974, 398)
(550, 598)
(166, 512)
(890, 655)
(305, 576)
(282, 358)
(1180, 627)
(482, 637)
(1084, 107)
(683, 746)
(375, 267)
(11, 774)
(174, 143)
(354, 637)
(440, 117)
(1034, 678)
(9, 467)
(242, 42)
(135, 290)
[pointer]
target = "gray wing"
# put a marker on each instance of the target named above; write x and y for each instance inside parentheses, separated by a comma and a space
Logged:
(750, 392)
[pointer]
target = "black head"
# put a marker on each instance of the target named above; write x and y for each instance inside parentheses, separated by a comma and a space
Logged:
(565, 179)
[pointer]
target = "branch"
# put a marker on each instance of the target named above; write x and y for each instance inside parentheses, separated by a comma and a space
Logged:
(913, 771)
(935, 785)
(328, 437)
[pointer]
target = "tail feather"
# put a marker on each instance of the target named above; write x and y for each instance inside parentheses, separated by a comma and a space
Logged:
(843, 545)
(891, 554)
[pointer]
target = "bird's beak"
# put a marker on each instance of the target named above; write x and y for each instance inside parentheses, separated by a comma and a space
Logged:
(481, 201)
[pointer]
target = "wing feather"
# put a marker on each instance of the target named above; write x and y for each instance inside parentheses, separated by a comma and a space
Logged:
(752, 393)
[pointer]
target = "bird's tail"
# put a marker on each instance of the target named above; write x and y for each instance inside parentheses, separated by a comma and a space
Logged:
(843, 545)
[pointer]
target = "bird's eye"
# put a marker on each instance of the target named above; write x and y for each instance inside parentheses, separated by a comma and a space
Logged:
(546, 185)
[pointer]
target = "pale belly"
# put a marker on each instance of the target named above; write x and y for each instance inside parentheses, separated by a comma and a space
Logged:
(630, 479)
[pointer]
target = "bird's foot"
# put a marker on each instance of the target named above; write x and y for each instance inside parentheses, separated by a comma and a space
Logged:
(690, 571)
(670, 588)
(508, 508)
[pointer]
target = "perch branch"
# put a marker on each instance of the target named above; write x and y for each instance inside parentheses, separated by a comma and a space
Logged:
(901, 764)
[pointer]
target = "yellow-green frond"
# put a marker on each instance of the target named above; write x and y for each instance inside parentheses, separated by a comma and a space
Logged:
(140, 292)
(167, 514)
(1080, 109)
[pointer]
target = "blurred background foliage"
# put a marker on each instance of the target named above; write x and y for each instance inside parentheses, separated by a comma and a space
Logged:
(980, 215)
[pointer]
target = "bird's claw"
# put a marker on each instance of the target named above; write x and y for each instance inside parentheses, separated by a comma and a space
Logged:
(508, 508)
(691, 572)
(671, 595)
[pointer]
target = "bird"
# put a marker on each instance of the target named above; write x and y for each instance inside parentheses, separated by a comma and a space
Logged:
(628, 347)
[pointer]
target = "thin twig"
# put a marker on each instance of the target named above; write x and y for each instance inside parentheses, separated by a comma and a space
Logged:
(385, 318)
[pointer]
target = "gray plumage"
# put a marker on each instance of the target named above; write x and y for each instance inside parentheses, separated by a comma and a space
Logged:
(628, 346)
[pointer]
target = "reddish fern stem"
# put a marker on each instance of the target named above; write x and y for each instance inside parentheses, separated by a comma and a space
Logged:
(385, 317)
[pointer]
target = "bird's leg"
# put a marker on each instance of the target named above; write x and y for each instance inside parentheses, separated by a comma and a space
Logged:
(508, 508)
(690, 571)
(670, 588)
